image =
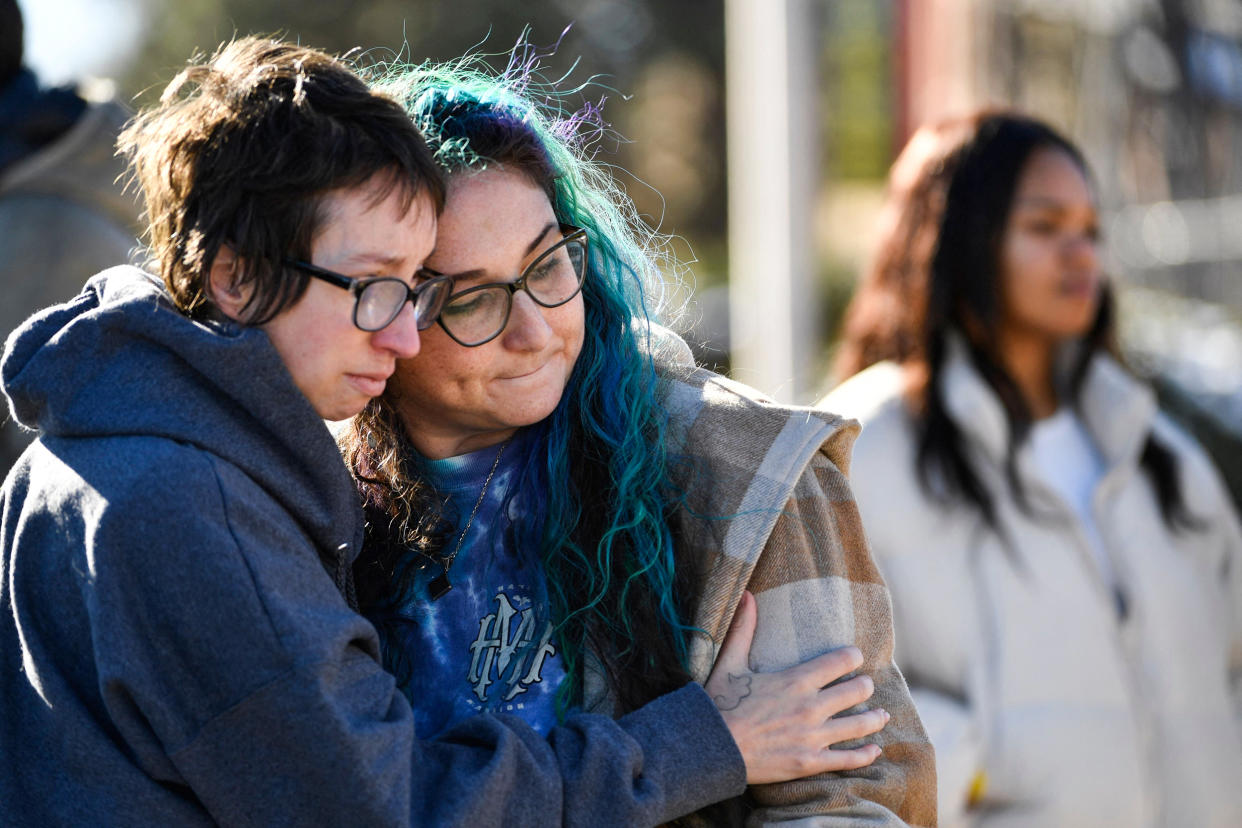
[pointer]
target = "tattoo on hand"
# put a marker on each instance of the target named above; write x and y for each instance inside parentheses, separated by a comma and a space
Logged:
(741, 684)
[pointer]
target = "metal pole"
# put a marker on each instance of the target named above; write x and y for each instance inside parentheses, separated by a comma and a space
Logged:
(771, 100)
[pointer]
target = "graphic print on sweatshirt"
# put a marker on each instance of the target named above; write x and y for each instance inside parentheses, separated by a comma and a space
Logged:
(487, 644)
(509, 654)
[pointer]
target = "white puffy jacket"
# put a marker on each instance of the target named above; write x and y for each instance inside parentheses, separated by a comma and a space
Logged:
(1046, 708)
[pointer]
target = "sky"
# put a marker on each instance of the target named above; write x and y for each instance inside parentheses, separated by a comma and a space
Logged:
(67, 39)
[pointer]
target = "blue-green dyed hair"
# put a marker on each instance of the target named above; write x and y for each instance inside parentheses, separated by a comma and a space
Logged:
(595, 487)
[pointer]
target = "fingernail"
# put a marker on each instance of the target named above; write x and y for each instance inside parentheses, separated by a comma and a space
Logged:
(887, 716)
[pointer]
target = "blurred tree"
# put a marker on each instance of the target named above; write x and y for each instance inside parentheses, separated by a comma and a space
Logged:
(858, 90)
(657, 63)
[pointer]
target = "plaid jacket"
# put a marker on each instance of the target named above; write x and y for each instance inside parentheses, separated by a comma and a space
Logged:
(768, 508)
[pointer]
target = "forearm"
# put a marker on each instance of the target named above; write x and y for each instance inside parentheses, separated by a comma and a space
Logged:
(361, 766)
(270, 708)
(899, 787)
(836, 597)
(669, 758)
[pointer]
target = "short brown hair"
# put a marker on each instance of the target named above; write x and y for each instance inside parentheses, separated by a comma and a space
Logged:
(242, 149)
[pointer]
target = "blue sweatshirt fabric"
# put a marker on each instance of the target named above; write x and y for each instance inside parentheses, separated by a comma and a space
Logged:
(175, 647)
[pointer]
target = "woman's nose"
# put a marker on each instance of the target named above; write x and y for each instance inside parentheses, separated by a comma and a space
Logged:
(1083, 250)
(527, 329)
(400, 336)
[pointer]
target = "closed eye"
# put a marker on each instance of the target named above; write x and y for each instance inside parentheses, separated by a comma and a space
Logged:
(545, 269)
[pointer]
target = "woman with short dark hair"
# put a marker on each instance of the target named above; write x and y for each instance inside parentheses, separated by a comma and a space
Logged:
(177, 645)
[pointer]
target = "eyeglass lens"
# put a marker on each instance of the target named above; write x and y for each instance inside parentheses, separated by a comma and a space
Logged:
(476, 315)
(380, 301)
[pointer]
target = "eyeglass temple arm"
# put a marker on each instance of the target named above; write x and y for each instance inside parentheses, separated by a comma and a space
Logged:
(319, 272)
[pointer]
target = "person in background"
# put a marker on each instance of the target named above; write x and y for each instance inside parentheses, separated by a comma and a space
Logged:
(564, 512)
(179, 641)
(64, 214)
(1065, 566)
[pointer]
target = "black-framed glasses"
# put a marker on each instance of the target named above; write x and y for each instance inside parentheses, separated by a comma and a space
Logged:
(479, 314)
(379, 299)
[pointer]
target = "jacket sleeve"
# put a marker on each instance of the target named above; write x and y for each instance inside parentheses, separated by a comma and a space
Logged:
(342, 764)
(232, 668)
(1229, 567)
(817, 588)
(1213, 510)
(1233, 583)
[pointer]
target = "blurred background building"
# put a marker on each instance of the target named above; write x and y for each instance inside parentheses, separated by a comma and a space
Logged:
(1151, 89)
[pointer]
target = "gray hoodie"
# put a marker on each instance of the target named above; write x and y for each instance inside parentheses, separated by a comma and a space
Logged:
(175, 647)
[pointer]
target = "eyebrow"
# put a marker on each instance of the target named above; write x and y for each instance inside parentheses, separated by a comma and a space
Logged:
(552, 225)
(1043, 203)
(467, 275)
(390, 260)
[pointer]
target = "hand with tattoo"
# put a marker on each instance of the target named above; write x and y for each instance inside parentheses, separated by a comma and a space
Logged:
(739, 689)
(782, 722)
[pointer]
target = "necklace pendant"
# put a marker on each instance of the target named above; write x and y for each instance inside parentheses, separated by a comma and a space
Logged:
(439, 586)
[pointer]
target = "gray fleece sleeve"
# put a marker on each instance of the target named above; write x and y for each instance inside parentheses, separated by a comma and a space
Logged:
(662, 761)
(669, 758)
(232, 667)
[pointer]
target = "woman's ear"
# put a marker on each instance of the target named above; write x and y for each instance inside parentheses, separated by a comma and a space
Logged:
(225, 288)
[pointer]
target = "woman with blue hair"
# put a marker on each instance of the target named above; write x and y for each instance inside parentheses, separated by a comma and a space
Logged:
(566, 515)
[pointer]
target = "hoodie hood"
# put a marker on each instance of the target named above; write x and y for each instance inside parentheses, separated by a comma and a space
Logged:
(120, 360)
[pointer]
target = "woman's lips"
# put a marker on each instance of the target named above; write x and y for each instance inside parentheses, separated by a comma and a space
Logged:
(1080, 287)
(526, 374)
(368, 385)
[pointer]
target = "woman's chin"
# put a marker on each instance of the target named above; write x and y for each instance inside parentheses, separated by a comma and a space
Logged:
(532, 397)
(529, 416)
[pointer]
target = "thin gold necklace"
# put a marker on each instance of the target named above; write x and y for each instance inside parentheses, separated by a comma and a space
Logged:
(440, 584)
